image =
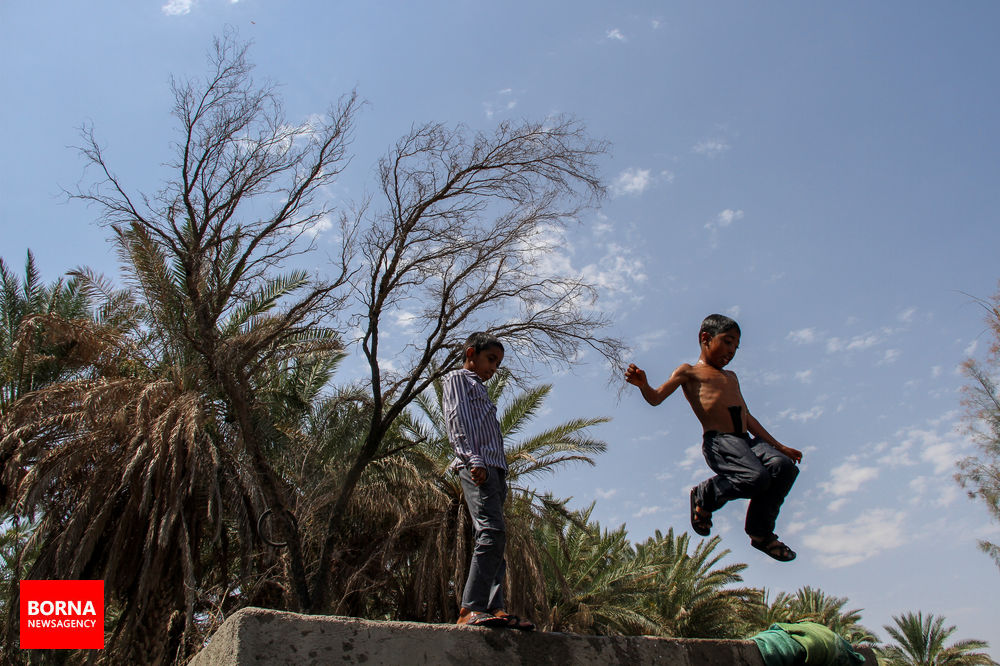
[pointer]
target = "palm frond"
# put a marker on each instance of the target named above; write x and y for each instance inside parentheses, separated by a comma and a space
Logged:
(263, 300)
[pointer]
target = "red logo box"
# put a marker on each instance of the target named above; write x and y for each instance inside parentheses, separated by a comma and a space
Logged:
(62, 614)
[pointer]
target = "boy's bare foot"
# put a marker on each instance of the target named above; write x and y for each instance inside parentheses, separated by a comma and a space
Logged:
(701, 519)
(774, 548)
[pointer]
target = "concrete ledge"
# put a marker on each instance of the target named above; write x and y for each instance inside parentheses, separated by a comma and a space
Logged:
(259, 636)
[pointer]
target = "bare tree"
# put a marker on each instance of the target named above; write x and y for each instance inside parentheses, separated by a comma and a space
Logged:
(980, 474)
(210, 313)
(465, 243)
(236, 153)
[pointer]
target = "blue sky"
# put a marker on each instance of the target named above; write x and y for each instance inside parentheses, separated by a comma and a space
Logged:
(824, 172)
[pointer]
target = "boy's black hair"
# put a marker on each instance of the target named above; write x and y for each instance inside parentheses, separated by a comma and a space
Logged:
(482, 341)
(715, 324)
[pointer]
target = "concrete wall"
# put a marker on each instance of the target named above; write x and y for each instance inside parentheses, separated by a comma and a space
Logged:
(258, 636)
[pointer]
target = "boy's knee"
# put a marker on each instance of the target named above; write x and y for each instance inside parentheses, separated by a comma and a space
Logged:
(786, 469)
(492, 537)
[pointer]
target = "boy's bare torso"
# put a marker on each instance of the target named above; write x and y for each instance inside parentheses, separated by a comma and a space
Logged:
(715, 397)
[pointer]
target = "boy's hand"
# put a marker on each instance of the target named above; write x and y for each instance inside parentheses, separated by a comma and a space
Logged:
(794, 454)
(635, 375)
(478, 475)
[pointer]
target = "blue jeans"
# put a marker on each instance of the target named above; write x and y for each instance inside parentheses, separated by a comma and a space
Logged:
(484, 587)
(746, 468)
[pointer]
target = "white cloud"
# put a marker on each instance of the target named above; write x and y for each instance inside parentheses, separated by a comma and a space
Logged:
(711, 147)
(928, 490)
(653, 436)
(313, 229)
(836, 504)
(899, 455)
(970, 349)
(770, 378)
(857, 343)
(721, 221)
(631, 181)
(846, 544)
(889, 356)
(848, 478)
(906, 316)
(617, 271)
(646, 341)
(405, 320)
(388, 366)
(942, 455)
(603, 226)
(177, 7)
(802, 336)
(616, 34)
(647, 511)
(862, 342)
(810, 414)
(727, 217)
(941, 446)
(503, 102)
(606, 494)
(946, 419)
(804, 376)
(692, 456)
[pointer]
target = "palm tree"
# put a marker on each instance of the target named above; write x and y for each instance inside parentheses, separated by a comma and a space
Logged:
(17, 551)
(21, 301)
(691, 596)
(138, 464)
(151, 463)
(27, 362)
(814, 605)
(921, 642)
(809, 604)
(595, 583)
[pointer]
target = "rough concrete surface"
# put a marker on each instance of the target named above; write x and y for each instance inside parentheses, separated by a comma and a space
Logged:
(258, 636)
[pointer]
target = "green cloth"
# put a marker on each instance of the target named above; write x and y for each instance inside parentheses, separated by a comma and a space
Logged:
(817, 646)
(778, 648)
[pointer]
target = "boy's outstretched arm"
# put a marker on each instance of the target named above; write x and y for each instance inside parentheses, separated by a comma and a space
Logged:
(654, 396)
(757, 430)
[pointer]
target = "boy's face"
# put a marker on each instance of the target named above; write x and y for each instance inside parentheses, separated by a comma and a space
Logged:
(718, 351)
(484, 363)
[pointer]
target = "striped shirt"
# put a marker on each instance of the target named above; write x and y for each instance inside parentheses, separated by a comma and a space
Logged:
(473, 428)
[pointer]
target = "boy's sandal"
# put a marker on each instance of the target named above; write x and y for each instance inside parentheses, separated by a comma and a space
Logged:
(773, 548)
(701, 525)
(515, 622)
(483, 619)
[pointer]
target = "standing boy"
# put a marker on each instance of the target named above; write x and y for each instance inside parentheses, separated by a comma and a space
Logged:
(474, 432)
(758, 468)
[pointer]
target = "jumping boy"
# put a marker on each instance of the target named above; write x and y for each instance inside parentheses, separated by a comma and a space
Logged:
(474, 432)
(757, 467)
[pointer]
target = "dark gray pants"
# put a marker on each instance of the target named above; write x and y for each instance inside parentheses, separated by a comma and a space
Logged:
(484, 587)
(746, 468)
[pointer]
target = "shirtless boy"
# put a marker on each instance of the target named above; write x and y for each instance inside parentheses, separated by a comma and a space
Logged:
(748, 462)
